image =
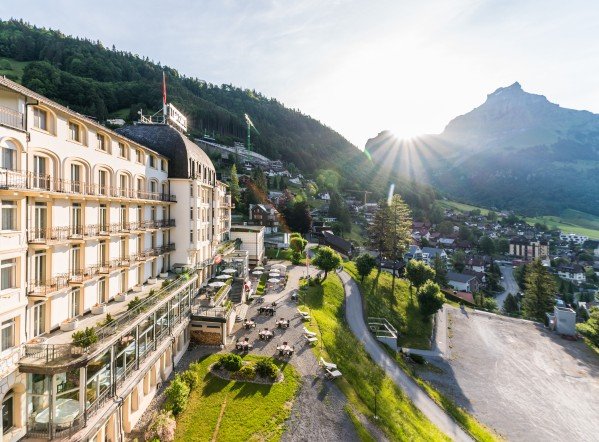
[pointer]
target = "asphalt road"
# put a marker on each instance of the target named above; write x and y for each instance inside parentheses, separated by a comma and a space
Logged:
(355, 318)
(509, 283)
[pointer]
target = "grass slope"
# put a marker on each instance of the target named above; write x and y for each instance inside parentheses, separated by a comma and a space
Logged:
(398, 417)
(13, 69)
(414, 329)
(252, 412)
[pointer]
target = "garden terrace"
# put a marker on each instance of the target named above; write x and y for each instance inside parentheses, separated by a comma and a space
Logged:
(157, 311)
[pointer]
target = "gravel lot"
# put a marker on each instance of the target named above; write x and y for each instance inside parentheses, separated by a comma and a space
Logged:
(518, 378)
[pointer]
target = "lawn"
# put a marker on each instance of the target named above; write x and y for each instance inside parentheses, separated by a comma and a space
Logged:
(460, 206)
(284, 254)
(237, 411)
(571, 221)
(414, 329)
(398, 417)
(12, 68)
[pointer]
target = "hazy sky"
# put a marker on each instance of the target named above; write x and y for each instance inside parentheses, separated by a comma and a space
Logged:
(357, 66)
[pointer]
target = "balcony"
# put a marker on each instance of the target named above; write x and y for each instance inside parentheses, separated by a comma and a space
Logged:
(48, 235)
(79, 276)
(14, 179)
(48, 286)
(11, 118)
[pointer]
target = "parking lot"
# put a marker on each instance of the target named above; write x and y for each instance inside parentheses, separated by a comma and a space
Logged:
(519, 379)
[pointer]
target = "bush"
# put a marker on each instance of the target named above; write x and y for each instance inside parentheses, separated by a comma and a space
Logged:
(162, 427)
(177, 394)
(134, 303)
(247, 372)
(266, 369)
(191, 378)
(85, 338)
(231, 362)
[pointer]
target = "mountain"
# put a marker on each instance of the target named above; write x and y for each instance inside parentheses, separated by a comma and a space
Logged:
(515, 151)
(104, 82)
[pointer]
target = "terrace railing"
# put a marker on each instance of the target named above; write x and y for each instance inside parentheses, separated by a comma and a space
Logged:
(11, 118)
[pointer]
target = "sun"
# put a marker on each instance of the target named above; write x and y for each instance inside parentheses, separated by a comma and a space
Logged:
(404, 134)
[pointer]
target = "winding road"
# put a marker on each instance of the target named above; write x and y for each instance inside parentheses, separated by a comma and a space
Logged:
(509, 284)
(355, 318)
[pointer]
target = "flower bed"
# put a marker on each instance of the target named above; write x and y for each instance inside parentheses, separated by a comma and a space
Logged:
(245, 375)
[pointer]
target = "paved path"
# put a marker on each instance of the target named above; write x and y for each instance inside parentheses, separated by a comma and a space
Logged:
(421, 400)
(509, 284)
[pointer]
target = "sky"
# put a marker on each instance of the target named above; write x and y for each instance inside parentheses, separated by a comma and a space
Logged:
(359, 67)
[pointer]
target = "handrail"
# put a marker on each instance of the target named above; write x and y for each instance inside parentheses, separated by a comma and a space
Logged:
(11, 117)
(16, 179)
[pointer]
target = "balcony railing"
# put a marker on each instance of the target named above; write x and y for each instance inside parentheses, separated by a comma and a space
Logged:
(14, 179)
(48, 286)
(12, 118)
(63, 233)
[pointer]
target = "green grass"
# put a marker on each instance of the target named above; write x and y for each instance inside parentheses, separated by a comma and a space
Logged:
(460, 206)
(284, 254)
(571, 221)
(12, 68)
(398, 417)
(414, 329)
(363, 433)
(251, 412)
(261, 284)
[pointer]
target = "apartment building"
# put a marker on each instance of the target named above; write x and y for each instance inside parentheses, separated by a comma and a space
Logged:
(527, 249)
(87, 224)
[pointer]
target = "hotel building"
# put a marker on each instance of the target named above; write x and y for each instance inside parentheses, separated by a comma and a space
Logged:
(87, 225)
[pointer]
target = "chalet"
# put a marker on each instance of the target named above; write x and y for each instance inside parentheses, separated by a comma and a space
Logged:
(574, 273)
(336, 243)
(413, 252)
(463, 282)
(477, 264)
(447, 243)
(265, 215)
(429, 254)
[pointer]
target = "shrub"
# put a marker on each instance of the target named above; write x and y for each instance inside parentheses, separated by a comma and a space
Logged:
(231, 362)
(85, 338)
(162, 427)
(191, 378)
(177, 394)
(166, 282)
(247, 372)
(134, 303)
(109, 319)
(266, 369)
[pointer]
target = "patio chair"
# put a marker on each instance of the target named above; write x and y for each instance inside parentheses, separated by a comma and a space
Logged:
(311, 339)
(308, 332)
(332, 374)
(328, 365)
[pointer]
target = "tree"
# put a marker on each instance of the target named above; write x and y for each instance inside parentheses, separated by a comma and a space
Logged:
(502, 246)
(492, 216)
(339, 210)
(379, 229)
(364, 264)
(326, 259)
(418, 273)
(399, 231)
(440, 268)
(177, 394)
(234, 186)
(437, 214)
(297, 244)
(299, 218)
(458, 261)
(590, 328)
(446, 228)
(430, 298)
(486, 245)
(510, 304)
(465, 233)
(539, 291)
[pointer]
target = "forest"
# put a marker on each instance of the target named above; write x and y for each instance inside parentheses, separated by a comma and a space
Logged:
(104, 82)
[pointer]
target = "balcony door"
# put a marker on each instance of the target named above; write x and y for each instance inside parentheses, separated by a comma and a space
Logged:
(39, 267)
(73, 304)
(103, 182)
(75, 260)
(40, 173)
(40, 217)
(38, 315)
(103, 253)
(76, 178)
(76, 220)
(123, 217)
(103, 218)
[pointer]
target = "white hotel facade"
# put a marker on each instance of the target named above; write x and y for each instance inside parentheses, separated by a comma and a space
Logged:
(88, 223)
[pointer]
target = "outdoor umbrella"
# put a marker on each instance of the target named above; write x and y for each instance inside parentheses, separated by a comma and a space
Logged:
(223, 276)
(274, 274)
(229, 270)
(273, 280)
(216, 284)
(257, 272)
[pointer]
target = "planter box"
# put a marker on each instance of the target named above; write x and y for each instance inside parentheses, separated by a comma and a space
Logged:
(137, 288)
(69, 326)
(121, 297)
(152, 280)
(164, 275)
(98, 309)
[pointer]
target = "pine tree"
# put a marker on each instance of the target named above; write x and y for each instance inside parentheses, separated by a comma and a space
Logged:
(400, 230)
(378, 231)
(539, 292)
(234, 186)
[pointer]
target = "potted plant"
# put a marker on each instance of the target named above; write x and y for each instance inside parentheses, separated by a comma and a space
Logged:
(164, 275)
(85, 338)
(69, 324)
(152, 280)
(137, 288)
(121, 297)
(98, 309)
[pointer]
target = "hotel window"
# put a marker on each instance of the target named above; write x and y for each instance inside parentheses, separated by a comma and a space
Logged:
(40, 118)
(122, 150)
(8, 334)
(75, 259)
(152, 161)
(191, 236)
(123, 216)
(9, 156)
(76, 178)
(161, 164)
(153, 186)
(103, 182)
(7, 413)
(191, 213)
(9, 215)
(73, 303)
(76, 219)
(74, 132)
(153, 213)
(123, 185)
(101, 290)
(8, 270)
(103, 143)
(103, 218)
(191, 189)
(140, 215)
(139, 156)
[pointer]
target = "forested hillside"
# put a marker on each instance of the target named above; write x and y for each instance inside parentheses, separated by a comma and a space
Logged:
(102, 82)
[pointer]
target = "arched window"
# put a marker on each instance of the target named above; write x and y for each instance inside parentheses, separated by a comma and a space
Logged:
(75, 132)
(8, 422)
(9, 155)
(103, 143)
